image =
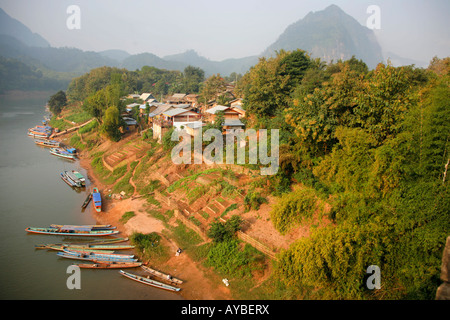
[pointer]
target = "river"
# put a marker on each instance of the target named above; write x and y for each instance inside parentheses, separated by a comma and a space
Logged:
(32, 194)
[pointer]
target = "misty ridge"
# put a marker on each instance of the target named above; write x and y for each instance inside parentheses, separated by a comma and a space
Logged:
(29, 61)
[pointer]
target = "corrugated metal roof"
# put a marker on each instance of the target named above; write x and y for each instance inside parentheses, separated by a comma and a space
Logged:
(233, 123)
(213, 110)
(177, 111)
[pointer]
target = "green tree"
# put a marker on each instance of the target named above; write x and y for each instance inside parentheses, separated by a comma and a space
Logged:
(112, 123)
(193, 77)
(57, 102)
(212, 87)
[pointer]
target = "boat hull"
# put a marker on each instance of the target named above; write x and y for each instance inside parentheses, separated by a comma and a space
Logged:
(113, 265)
(148, 282)
(59, 232)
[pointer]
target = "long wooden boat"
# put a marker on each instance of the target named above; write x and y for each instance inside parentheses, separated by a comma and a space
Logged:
(42, 135)
(80, 177)
(62, 153)
(87, 226)
(97, 200)
(98, 242)
(63, 248)
(104, 242)
(47, 143)
(112, 265)
(93, 257)
(87, 200)
(69, 181)
(148, 281)
(104, 255)
(102, 247)
(161, 275)
(72, 177)
(71, 232)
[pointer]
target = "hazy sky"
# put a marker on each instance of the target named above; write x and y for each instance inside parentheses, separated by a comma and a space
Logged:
(217, 30)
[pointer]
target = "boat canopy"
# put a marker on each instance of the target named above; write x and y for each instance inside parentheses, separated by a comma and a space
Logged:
(96, 196)
(72, 150)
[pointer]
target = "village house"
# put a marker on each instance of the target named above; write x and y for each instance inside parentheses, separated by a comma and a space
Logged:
(148, 97)
(231, 117)
(177, 98)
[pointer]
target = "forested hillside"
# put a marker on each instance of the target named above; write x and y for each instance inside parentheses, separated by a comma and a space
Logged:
(373, 144)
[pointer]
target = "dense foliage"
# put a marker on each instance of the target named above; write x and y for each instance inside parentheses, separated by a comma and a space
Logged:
(147, 79)
(375, 144)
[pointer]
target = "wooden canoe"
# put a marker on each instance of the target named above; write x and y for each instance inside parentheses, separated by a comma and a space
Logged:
(63, 248)
(112, 265)
(148, 281)
(102, 247)
(71, 232)
(86, 201)
(161, 275)
(94, 257)
(88, 226)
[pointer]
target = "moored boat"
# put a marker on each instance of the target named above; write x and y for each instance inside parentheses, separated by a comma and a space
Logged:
(97, 200)
(63, 248)
(60, 152)
(113, 256)
(100, 242)
(67, 179)
(161, 275)
(87, 200)
(71, 232)
(80, 177)
(148, 281)
(100, 247)
(87, 226)
(112, 265)
(94, 257)
(47, 143)
(74, 178)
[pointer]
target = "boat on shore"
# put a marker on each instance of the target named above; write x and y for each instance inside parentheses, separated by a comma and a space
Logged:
(69, 180)
(47, 143)
(87, 226)
(106, 242)
(113, 256)
(63, 153)
(99, 242)
(148, 281)
(95, 257)
(161, 275)
(72, 177)
(81, 250)
(80, 177)
(87, 200)
(112, 265)
(71, 232)
(97, 200)
(40, 131)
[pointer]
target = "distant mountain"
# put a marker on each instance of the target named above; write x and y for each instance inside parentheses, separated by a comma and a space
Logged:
(12, 27)
(137, 61)
(397, 61)
(114, 54)
(225, 67)
(330, 34)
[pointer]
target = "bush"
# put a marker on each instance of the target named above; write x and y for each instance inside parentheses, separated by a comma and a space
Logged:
(253, 200)
(292, 207)
(219, 231)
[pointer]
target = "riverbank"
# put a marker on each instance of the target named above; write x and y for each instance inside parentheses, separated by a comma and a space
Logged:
(199, 283)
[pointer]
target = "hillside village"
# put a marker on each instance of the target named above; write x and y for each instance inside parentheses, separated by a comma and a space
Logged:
(181, 111)
(340, 183)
